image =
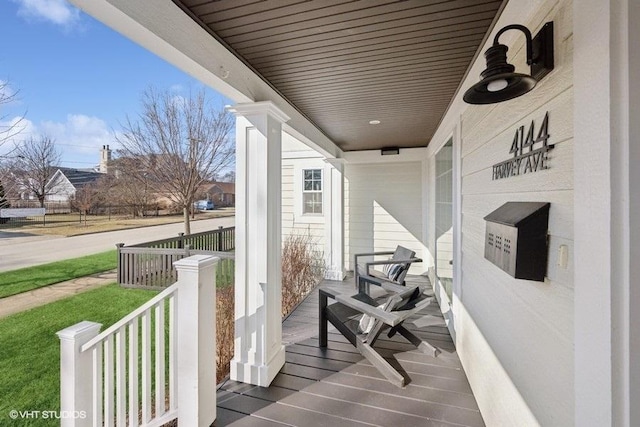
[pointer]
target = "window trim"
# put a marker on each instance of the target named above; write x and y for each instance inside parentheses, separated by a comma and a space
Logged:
(321, 191)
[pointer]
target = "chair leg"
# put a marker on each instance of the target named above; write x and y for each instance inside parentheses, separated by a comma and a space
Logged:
(380, 364)
(423, 346)
(322, 306)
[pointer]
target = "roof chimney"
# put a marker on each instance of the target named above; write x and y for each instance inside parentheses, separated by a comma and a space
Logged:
(105, 158)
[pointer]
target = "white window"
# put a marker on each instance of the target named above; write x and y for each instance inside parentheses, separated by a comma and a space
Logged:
(312, 191)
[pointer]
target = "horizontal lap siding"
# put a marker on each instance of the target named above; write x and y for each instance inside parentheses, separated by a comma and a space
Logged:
(384, 209)
(527, 325)
(289, 224)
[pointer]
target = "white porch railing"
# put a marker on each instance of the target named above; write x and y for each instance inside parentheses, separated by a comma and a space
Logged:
(121, 376)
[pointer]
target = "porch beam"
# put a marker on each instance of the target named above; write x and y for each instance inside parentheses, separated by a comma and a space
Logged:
(259, 353)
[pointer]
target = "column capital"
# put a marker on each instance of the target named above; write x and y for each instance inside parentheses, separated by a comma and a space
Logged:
(259, 108)
(337, 163)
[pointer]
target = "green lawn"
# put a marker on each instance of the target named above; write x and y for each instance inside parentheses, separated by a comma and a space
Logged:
(25, 279)
(30, 349)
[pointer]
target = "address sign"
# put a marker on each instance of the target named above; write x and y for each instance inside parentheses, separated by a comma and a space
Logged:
(529, 152)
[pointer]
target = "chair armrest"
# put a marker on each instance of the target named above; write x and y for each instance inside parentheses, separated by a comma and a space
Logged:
(403, 314)
(375, 253)
(390, 261)
(392, 286)
(387, 285)
(390, 318)
(394, 261)
(356, 256)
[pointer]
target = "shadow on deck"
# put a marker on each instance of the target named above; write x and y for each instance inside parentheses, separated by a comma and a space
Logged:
(336, 386)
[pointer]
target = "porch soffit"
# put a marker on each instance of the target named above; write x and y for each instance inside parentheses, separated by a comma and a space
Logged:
(342, 63)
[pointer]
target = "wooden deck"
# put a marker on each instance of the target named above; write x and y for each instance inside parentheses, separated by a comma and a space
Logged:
(336, 386)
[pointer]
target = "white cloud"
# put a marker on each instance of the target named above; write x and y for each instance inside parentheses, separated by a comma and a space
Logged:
(13, 132)
(79, 138)
(79, 133)
(59, 12)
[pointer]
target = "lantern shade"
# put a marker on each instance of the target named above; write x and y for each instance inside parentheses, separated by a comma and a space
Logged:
(499, 81)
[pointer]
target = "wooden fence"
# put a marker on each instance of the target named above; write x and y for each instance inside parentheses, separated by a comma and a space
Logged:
(150, 265)
(220, 240)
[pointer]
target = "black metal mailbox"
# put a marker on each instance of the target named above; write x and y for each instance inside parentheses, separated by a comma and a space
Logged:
(516, 239)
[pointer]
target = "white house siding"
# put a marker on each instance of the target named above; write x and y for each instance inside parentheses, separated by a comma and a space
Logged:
(60, 189)
(297, 156)
(515, 337)
(383, 209)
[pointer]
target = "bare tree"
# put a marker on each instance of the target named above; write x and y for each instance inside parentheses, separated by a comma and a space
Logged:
(86, 198)
(8, 128)
(4, 203)
(181, 142)
(229, 177)
(35, 162)
(131, 185)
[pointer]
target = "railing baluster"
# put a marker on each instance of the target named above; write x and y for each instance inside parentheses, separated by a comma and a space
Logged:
(173, 351)
(119, 390)
(146, 366)
(97, 386)
(154, 268)
(109, 402)
(133, 373)
(121, 379)
(160, 369)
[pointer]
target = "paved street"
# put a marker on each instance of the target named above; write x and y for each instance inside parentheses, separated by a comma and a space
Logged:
(18, 250)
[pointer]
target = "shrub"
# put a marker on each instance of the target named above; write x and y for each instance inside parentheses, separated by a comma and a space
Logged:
(302, 269)
(224, 330)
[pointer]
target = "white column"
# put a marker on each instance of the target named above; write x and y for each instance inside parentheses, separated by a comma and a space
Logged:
(76, 372)
(196, 323)
(334, 219)
(259, 353)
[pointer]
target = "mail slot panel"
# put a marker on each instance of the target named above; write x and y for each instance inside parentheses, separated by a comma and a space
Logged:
(516, 239)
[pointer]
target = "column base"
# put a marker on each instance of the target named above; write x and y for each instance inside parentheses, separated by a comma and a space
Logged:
(334, 274)
(260, 375)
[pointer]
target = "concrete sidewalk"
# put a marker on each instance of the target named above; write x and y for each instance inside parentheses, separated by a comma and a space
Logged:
(41, 296)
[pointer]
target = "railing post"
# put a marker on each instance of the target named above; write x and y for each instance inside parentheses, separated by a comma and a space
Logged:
(119, 246)
(180, 240)
(219, 235)
(76, 397)
(196, 322)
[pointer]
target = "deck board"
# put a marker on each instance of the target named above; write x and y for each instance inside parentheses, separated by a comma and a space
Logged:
(336, 386)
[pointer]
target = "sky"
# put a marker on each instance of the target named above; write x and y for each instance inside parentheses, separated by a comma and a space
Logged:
(77, 80)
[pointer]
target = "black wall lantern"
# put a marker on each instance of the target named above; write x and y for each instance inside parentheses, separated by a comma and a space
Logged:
(499, 81)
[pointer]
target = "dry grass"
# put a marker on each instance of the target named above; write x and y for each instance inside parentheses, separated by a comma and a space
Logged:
(70, 225)
(224, 330)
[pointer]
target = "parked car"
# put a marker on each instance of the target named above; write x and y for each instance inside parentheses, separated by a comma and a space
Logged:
(204, 205)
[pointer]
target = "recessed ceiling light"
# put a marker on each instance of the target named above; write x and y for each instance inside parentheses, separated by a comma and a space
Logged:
(374, 122)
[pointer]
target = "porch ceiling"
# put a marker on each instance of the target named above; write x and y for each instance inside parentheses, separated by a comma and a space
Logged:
(342, 63)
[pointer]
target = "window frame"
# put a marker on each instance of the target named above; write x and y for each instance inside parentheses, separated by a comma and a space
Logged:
(304, 191)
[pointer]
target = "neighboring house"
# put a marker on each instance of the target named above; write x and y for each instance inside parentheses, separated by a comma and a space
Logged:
(220, 193)
(65, 182)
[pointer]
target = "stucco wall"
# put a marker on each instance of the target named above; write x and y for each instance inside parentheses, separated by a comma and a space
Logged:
(515, 337)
